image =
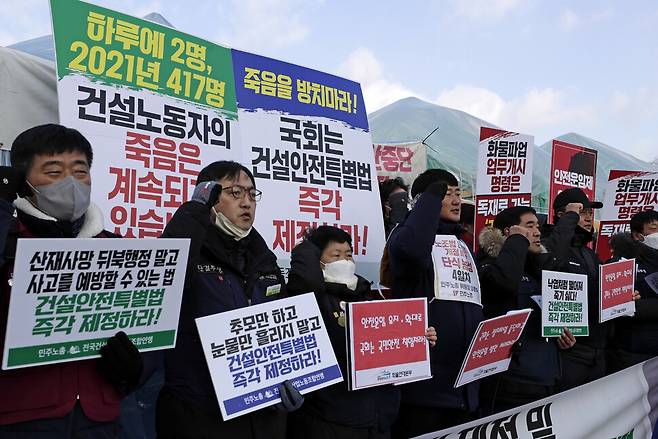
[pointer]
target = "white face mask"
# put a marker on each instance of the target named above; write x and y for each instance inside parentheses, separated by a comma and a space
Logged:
(225, 225)
(341, 272)
(651, 240)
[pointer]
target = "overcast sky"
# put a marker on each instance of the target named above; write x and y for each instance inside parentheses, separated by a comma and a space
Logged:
(540, 67)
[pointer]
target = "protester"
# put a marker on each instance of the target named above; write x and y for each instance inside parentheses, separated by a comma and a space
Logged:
(49, 185)
(323, 264)
(230, 266)
(568, 240)
(510, 261)
(394, 195)
(636, 338)
(467, 221)
(433, 404)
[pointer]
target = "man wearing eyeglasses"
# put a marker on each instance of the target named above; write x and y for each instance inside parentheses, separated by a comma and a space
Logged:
(569, 240)
(230, 266)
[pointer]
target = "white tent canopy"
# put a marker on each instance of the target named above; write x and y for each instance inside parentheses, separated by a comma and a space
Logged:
(28, 94)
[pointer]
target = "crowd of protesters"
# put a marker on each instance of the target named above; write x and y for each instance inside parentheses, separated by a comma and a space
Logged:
(46, 194)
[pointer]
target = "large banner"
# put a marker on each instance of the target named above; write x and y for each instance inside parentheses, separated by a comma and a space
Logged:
(571, 166)
(504, 177)
(386, 342)
(620, 406)
(250, 351)
(156, 104)
(405, 160)
(68, 296)
(305, 136)
(627, 193)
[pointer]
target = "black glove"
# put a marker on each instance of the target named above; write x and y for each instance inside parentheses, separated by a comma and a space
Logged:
(10, 181)
(120, 362)
(291, 399)
(438, 188)
(207, 193)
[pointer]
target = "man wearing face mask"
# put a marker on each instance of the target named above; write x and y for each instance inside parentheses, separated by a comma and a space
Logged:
(50, 172)
(636, 338)
(230, 266)
(568, 240)
(433, 404)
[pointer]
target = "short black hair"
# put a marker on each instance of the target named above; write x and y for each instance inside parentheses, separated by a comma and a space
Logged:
(430, 176)
(48, 139)
(387, 187)
(224, 169)
(467, 215)
(324, 235)
(511, 216)
(641, 218)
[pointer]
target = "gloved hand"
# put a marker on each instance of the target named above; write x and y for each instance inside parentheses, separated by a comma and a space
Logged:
(120, 362)
(10, 181)
(438, 188)
(207, 193)
(291, 399)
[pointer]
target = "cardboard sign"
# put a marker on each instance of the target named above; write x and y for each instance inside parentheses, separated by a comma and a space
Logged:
(66, 302)
(504, 175)
(626, 194)
(250, 351)
(490, 351)
(564, 303)
(571, 166)
(455, 273)
(386, 342)
(616, 286)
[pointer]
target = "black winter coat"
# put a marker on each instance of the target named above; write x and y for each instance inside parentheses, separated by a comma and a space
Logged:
(375, 407)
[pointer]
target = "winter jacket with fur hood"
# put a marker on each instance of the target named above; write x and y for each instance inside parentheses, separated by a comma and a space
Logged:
(510, 276)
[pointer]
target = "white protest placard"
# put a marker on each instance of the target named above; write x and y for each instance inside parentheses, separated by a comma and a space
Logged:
(616, 286)
(455, 275)
(386, 342)
(490, 351)
(68, 296)
(250, 351)
(564, 303)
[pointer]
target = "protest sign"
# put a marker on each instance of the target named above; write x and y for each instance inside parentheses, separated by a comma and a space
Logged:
(157, 105)
(386, 342)
(250, 351)
(504, 177)
(67, 301)
(571, 166)
(305, 136)
(564, 303)
(490, 351)
(627, 193)
(455, 273)
(404, 160)
(616, 286)
(623, 405)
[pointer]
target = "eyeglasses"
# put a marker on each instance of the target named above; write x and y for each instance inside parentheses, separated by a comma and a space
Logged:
(239, 192)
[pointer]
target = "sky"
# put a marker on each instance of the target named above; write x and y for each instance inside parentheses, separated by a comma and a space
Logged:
(539, 67)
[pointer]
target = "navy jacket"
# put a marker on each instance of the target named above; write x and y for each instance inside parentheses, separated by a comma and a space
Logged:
(509, 277)
(638, 334)
(222, 275)
(375, 407)
(568, 243)
(410, 251)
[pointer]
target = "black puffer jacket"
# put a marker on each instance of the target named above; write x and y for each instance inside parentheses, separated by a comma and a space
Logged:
(366, 408)
(638, 334)
(568, 242)
(510, 276)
